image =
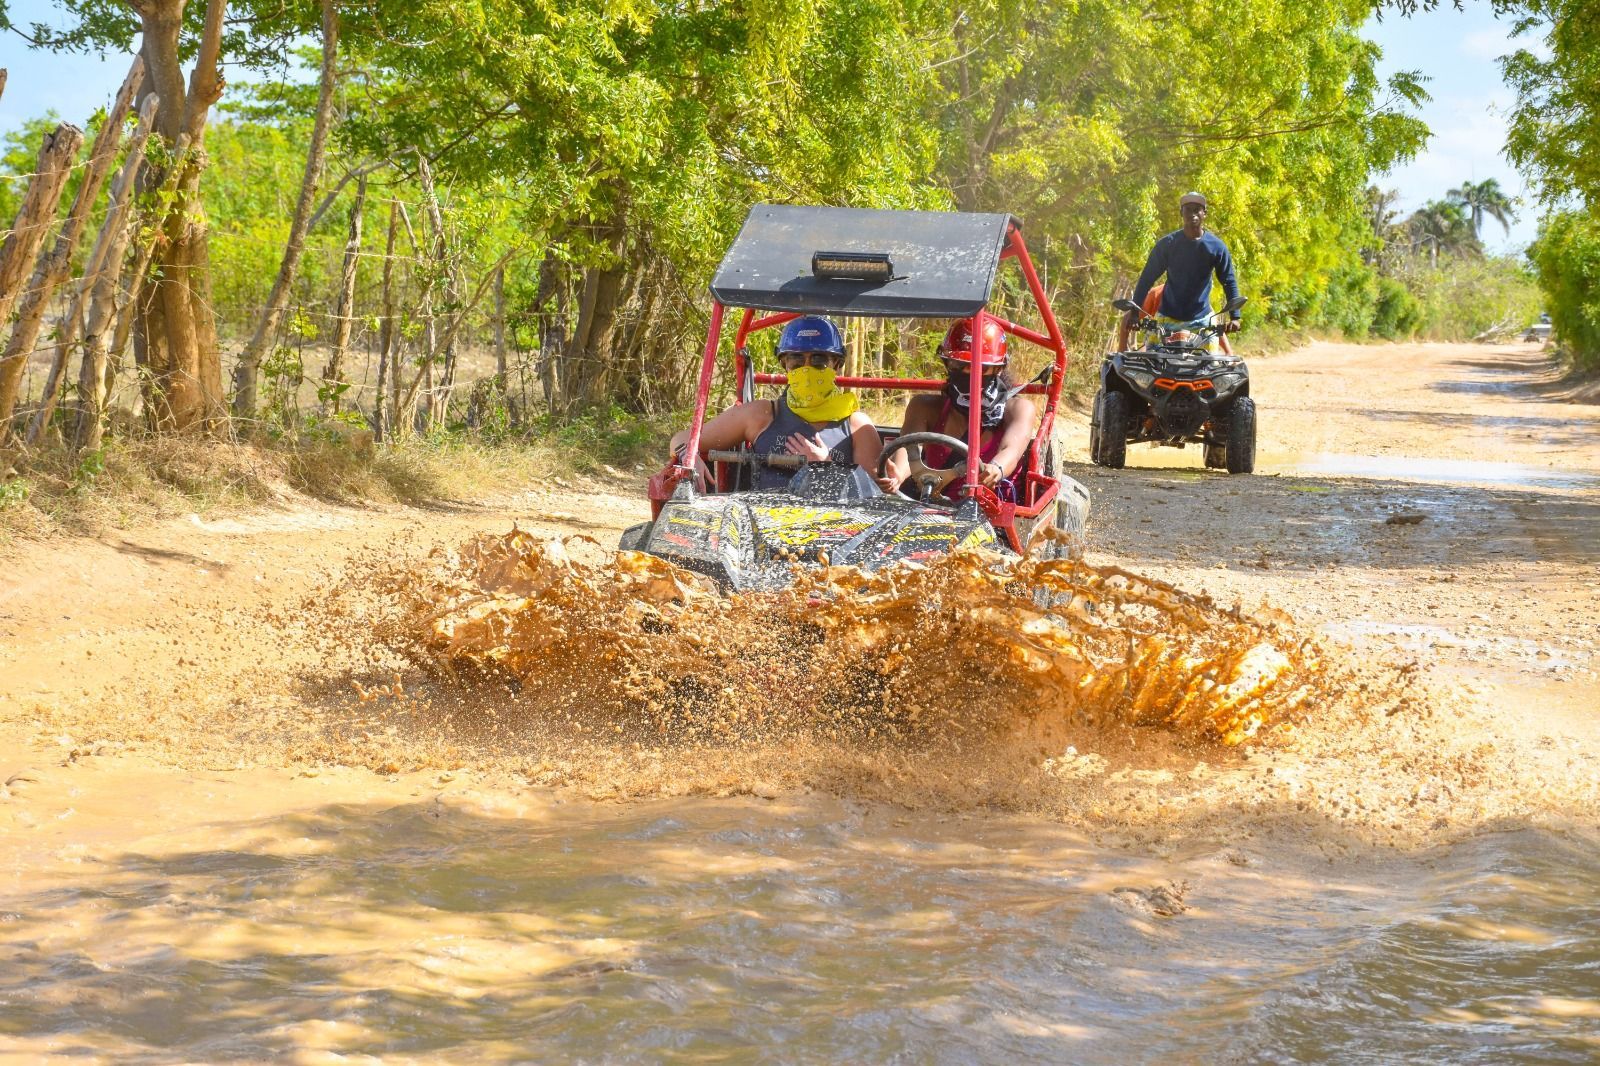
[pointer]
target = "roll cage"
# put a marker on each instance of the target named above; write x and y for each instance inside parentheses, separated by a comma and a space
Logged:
(950, 260)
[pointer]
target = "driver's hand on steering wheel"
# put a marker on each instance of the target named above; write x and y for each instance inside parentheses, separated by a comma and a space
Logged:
(988, 473)
(890, 481)
(810, 449)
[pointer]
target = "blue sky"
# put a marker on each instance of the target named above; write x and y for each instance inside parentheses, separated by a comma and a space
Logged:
(1455, 50)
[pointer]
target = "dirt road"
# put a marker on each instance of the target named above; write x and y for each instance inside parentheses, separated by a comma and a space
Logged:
(176, 889)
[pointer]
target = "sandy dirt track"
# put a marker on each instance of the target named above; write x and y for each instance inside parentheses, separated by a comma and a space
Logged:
(1495, 582)
(1434, 502)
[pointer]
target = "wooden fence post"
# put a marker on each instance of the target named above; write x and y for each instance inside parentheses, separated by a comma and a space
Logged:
(54, 267)
(334, 372)
(106, 255)
(21, 245)
(386, 330)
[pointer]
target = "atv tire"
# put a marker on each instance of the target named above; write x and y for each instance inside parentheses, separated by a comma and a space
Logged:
(1241, 448)
(1094, 426)
(634, 537)
(1114, 419)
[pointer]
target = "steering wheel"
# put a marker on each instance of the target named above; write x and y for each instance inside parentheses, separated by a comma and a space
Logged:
(930, 479)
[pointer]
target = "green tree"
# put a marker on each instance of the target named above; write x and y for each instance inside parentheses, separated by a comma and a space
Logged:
(1442, 227)
(1484, 199)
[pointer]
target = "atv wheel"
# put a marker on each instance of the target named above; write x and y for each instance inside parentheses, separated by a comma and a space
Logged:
(1216, 456)
(1242, 437)
(1114, 419)
(633, 538)
(1094, 426)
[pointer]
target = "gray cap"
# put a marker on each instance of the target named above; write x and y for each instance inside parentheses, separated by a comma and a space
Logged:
(1191, 198)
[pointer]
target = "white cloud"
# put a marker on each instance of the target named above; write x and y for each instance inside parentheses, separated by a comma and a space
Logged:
(1487, 44)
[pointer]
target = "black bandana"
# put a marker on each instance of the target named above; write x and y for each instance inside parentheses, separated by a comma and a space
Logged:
(994, 398)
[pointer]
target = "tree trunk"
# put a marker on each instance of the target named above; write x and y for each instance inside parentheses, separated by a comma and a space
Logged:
(550, 304)
(500, 325)
(334, 373)
(176, 330)
(34, 217)
(586, 360)
(443, 355)
(53, 269)
(249, 365)
(104, 258)
(386, 329)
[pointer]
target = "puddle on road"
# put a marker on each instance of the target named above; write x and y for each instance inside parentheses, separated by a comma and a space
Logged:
(1453, 471)
(466, 930)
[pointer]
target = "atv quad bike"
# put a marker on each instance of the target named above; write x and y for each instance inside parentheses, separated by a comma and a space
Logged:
(788, 261)
(1176, 391)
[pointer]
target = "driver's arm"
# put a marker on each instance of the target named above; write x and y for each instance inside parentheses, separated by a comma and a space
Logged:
(898, 467)
(1015, 434)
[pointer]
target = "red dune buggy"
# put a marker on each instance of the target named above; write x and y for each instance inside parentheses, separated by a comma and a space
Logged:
(788, 261)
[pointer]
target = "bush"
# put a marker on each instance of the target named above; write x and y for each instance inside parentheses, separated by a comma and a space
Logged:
(1566, 259)
(1465, 296)
(1350, 301)
(1398, 314)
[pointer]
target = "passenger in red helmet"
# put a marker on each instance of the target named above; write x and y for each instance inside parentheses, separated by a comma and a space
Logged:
(1006, 416)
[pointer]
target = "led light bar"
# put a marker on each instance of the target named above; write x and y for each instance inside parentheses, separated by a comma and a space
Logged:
(854, 266)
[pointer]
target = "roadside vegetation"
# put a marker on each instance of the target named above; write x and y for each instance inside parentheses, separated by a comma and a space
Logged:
(482, 224)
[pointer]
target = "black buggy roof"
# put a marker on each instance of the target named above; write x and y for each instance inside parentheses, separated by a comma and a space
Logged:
(944, 262)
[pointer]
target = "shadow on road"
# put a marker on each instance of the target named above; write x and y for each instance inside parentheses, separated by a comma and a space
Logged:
(1309, 522)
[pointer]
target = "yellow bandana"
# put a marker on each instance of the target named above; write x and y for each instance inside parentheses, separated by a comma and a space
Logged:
(813, 397)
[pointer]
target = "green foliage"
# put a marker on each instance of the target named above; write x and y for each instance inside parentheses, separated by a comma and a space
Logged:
(1397, 314)
(1566, 257)
(14, 492)
(1465, 297)
(1554, 134)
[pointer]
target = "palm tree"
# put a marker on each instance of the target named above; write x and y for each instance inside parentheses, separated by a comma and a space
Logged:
(1442, 226)
(1484, 198)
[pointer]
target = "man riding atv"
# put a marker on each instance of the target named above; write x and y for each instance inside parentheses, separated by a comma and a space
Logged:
(811, 420)
(1188, 257)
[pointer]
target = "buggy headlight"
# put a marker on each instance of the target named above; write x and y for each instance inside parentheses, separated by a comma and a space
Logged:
(1141, 378)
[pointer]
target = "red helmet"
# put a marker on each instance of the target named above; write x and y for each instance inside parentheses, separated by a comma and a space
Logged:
(958, 343)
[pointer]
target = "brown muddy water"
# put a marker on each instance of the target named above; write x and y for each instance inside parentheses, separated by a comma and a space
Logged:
(921, 817)
(466, 929)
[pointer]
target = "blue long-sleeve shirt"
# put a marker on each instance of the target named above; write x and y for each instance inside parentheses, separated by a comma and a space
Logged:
(1188, 265)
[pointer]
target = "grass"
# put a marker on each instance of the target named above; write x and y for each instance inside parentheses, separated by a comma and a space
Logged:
(136, 479)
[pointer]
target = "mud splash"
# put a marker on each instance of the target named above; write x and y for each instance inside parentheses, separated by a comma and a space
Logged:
(965, 646)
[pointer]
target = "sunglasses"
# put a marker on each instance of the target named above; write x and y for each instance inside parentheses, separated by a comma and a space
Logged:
(820, 360)
(989, 369)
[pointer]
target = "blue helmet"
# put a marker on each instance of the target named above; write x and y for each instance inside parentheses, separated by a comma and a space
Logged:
(811, 333)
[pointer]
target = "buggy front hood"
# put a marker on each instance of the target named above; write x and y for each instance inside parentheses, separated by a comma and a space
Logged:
(752, 540)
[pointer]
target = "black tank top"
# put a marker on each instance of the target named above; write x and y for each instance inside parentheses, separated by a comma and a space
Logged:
(835, 436)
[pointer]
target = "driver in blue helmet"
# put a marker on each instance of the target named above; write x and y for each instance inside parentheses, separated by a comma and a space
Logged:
(812, 418)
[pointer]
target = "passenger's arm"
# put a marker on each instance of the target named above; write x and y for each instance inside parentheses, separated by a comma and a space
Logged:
(868, 445)
(739, 423)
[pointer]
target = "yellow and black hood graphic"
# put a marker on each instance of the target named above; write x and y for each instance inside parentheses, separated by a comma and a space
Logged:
(751, 540)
